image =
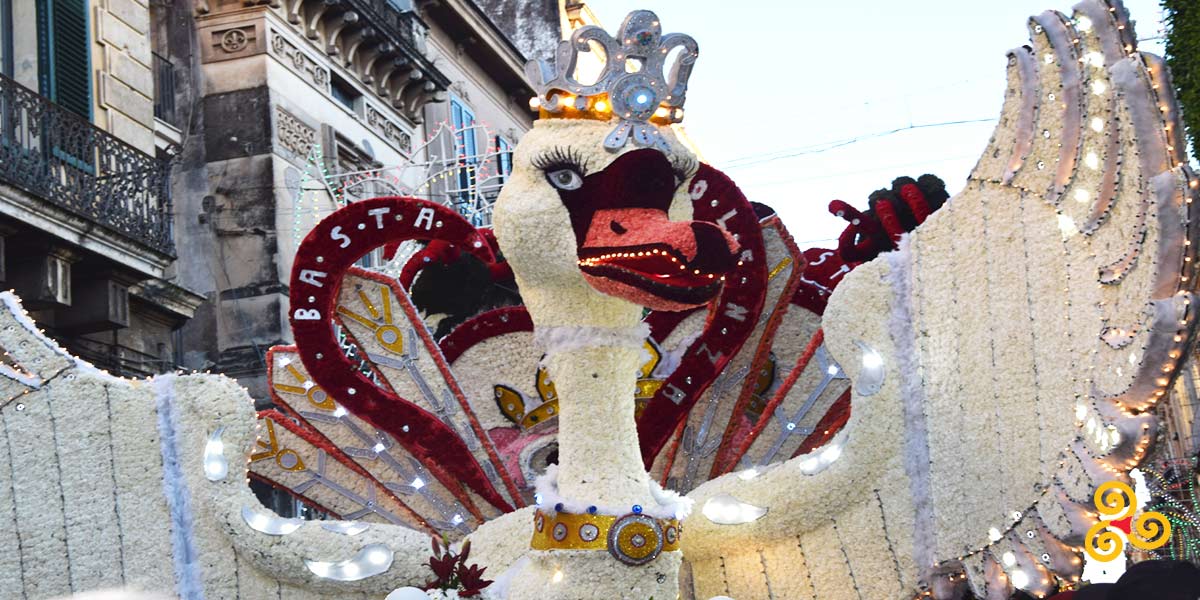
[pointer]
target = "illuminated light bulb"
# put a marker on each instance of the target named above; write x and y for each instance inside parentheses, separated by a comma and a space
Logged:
(1092, 160)
(662, 112)
(601, 105)
(1082, 196)
(748, 474)
(566, 100)
(1020, 579)
(1009, 559)
(1099, 87)
(1067, 226)
(832, 370)
(557, 577)
(377, 556)
(994, 534)
(270, 524)
(1083, 24)
(215, 470)
(216, 467)
(724, 509)
(339, 412)
(418, 483)
(379, 447)
(535, 103)
(1097, 124)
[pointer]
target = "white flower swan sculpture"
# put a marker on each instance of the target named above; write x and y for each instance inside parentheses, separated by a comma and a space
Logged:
(1004, 362)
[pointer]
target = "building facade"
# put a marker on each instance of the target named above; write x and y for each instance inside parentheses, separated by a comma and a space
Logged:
(289, 108)
(159, 162)
(85, 194)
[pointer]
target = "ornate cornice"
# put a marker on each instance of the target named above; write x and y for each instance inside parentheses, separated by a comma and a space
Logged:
(383, 47)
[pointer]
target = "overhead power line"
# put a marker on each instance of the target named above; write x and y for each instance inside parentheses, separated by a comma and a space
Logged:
(757, 159)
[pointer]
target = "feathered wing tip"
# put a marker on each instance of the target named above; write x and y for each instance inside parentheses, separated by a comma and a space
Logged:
(891, 213)
(345, 466)
(336, 462)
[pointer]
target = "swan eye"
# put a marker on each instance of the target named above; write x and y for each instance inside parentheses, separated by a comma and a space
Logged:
(565, 179)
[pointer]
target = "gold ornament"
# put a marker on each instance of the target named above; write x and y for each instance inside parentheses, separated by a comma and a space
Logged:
(633, 539)
(1116, 501)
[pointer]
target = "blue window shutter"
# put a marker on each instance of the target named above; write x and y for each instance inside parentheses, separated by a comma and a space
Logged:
(64, 56)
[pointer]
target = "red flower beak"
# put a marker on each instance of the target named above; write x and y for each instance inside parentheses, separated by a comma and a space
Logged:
(640, 255)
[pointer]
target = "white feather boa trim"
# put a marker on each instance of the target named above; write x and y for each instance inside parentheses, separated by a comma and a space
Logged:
(671, 505)
(563, 339)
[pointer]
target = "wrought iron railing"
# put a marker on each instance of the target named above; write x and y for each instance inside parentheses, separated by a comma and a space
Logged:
(58, 156)
(164, 89)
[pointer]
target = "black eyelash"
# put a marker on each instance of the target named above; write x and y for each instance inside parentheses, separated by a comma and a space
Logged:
(558, 157)
(684, 165)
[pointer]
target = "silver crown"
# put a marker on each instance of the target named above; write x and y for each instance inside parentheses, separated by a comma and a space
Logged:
(634, 79)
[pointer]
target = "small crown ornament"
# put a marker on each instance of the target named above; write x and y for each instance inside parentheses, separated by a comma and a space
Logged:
(633, 86)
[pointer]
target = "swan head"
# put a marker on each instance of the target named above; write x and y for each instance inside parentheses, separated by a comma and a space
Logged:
(580, 219)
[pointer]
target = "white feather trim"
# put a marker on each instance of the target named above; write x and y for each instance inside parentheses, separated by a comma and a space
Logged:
(671, 505)
(175, 488)
(562, 339)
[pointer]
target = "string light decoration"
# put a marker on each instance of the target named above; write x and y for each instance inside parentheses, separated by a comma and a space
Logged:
(445, 171)
(1174, 494)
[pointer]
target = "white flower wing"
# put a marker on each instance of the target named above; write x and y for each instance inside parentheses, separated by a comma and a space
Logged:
(1020, 333)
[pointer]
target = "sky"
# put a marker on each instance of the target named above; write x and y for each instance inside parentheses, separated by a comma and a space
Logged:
(780, 82)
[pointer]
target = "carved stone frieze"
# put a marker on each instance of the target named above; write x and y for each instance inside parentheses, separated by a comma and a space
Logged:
(299, 61)
(392, 132)
(292, 134)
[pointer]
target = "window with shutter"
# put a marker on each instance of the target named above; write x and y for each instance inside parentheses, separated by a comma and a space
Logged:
(64, 59)
(467, 153)
(6, 38)
(504, 152)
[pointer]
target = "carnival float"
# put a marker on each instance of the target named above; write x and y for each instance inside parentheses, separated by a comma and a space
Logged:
(680, 402)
